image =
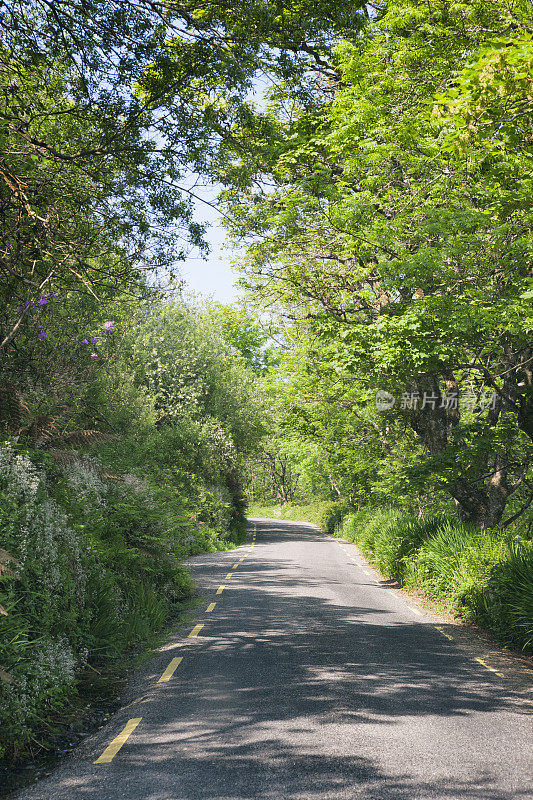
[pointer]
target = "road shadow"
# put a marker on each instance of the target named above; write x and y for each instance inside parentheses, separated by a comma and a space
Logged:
(289, 695)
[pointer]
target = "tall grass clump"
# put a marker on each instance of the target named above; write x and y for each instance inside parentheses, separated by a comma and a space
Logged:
(455, 563)
(506, 604)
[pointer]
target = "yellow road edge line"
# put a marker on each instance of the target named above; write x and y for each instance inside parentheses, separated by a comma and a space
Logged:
(113, 748)
(220, 589)
(210, 607)
(170, 670)
(415, 610)
(491, 669)
(196, 630)
(447, 635)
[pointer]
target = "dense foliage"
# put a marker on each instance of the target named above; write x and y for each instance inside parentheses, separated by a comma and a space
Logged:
(96, 522)
(382, 188)
(395, 236)
(388, 223)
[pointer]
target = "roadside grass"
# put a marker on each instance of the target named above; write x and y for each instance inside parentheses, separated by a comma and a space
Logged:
(91, 574)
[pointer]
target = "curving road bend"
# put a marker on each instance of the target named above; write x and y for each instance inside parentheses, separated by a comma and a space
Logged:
(303, 677)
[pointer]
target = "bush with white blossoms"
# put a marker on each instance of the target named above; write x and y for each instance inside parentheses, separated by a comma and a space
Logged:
(18, 475)
(84, 475)
(79, 557)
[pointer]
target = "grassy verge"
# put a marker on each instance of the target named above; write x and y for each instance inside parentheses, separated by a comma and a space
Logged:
(326, 514)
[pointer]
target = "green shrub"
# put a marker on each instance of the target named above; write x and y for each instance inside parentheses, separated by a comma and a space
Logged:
(331, 514)
(89, 570)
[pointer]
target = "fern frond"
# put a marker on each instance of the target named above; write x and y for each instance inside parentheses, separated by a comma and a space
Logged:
(84, 438)
(13, 410)
(43, 428)
(65, 458)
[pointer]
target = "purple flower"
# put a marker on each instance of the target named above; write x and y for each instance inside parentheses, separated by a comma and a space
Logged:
(85, 341)
(94, 355)
(43, 300)
(42, 335)
(108, 326)
(94, 340)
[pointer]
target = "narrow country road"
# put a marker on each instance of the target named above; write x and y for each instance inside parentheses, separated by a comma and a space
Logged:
(302, 677)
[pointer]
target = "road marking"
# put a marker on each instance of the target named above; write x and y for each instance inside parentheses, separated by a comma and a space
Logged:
(440, 630)
(366, 572)
(415, 610)
(220, 589)
(491, 669)
(228, 575)
(235, 565)
(113, 748)
(196, 630)
(241, 559)
(170, 670)
(210, 607)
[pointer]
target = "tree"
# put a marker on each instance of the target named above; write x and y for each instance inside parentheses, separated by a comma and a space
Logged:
(410, 258)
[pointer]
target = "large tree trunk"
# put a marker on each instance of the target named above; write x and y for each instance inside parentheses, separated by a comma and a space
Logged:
(433, 418)
(482, 507)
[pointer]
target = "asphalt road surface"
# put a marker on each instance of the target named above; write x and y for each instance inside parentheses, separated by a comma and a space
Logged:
(307, 678)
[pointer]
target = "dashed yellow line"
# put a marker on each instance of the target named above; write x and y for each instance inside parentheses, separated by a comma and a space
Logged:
(229, 575)
(440, 630)
(235, 565)
(241, 559)
(170, 670)
(210, 607)
(113, 748)
(491, 669)
(220, 589)
(196, 630)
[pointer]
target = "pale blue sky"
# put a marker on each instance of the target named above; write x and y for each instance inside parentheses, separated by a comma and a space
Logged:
(214, 277)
